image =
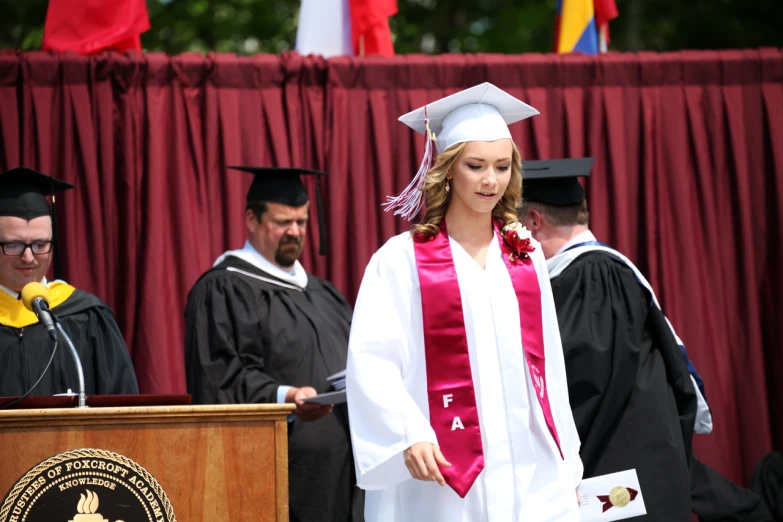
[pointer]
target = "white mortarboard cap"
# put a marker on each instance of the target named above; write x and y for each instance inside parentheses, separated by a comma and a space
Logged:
(481, 113)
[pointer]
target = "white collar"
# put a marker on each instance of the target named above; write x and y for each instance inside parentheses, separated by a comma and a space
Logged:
(558, 262)
(297, 276)
(582, 237)
(15, 295)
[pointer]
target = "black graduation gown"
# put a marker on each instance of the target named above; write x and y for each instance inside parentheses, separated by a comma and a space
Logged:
(633, 401)
(244, 338)
(90, 324)
(767, 481)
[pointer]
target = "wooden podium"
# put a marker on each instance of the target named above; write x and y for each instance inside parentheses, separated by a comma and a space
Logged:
(215, 463)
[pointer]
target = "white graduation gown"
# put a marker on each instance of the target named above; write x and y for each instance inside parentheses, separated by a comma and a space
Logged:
(524, 478)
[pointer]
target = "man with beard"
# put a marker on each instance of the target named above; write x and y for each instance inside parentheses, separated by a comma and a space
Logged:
(260, 329)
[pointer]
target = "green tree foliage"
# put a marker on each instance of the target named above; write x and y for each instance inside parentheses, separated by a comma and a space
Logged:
(433, 26)
(237, 26)
(21, 23)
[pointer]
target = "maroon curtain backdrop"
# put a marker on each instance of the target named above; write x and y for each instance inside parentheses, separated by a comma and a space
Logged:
(688, 182)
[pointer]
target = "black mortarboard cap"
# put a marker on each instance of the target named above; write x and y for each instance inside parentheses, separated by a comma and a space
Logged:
(284, 185)
(555, 182)
(23, 193)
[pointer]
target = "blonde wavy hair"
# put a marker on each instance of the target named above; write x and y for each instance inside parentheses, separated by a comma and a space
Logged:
(437, 198)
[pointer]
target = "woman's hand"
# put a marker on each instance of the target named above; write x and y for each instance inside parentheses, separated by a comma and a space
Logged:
(422, 460)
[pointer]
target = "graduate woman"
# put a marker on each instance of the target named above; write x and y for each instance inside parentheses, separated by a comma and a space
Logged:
(456, 384)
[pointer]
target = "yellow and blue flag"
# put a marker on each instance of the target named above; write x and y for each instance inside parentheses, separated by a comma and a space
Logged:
(583, 25)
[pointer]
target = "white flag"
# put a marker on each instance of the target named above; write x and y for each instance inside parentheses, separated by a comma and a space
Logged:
(324, 28)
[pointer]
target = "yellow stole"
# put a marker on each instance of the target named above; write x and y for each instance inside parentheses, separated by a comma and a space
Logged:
(14, 314)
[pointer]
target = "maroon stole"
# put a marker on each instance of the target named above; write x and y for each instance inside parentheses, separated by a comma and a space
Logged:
(452, 400)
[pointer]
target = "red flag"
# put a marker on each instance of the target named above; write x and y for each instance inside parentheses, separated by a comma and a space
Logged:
(605, 10)
(370, 26)
(89, 26)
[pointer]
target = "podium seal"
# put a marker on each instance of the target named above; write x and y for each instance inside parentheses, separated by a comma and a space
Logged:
(87, 485)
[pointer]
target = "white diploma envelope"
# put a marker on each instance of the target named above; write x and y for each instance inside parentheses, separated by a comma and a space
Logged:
(616, 496)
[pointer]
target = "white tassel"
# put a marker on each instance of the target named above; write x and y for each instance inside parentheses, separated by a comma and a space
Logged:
(409, 202)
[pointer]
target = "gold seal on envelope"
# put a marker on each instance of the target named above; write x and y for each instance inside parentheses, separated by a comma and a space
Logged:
(619, 496)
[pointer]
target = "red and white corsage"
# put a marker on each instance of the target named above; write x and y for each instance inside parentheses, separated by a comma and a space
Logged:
(518, 238)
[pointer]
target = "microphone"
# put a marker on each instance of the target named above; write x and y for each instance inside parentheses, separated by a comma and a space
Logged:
(35, 298)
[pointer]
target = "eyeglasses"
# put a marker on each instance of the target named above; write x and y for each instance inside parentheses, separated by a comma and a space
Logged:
(17, 248)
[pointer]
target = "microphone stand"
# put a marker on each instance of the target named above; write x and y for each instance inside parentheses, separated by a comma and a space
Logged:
(77, 362)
